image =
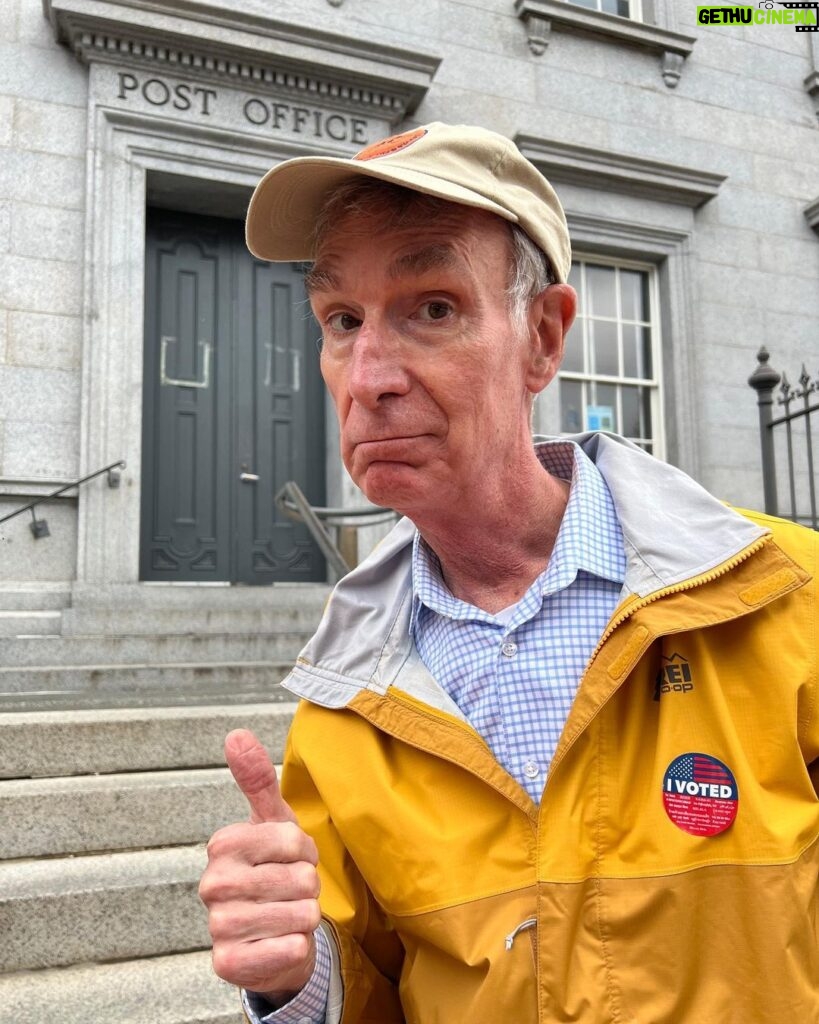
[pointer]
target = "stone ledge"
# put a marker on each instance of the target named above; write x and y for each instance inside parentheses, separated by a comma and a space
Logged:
(210, 42)
(620, 172)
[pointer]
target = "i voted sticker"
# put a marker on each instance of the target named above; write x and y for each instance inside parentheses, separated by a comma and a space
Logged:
(700, 794)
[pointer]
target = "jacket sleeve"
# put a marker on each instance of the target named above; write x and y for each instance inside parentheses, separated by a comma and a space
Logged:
(809, 706)
(369, 951)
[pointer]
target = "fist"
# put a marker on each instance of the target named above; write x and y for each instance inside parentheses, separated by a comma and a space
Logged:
(261, 885)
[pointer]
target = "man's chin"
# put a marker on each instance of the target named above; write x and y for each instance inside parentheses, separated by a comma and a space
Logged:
(393, 485)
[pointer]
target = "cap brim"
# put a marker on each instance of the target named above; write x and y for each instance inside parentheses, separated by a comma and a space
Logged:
(283, 210)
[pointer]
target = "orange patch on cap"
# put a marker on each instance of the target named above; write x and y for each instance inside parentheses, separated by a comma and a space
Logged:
(391, 145)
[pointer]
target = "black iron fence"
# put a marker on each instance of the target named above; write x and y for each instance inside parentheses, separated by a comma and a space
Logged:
(789, 452)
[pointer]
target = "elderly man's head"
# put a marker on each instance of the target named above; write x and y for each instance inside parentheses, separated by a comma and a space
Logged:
(439, 261)
(360, 202)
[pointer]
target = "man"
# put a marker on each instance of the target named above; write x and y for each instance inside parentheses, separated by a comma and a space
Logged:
(556, 755)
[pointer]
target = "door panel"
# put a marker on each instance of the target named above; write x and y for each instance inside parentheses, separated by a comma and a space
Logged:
(233, 408)
(282, 437)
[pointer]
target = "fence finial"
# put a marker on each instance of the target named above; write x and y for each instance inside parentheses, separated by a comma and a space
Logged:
(764, 377)
(763, 380)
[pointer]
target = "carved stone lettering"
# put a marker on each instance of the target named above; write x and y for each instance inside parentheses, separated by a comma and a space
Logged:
(300, 120)
(159, 93)
(261, 112)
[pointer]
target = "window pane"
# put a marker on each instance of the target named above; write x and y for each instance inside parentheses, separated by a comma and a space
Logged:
(616, 7)
(631, 412)
(585, 3)
(602, 300)
(636, 404)
(571, 405)
(603, 408)
(573, 349)
(636, 351)
(634, 295)
(603, 338)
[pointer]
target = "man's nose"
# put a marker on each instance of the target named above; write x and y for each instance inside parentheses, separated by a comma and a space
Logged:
(378, 367)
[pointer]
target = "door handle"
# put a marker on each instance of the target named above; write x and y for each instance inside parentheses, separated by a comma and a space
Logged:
(249, 478)
(166, 381)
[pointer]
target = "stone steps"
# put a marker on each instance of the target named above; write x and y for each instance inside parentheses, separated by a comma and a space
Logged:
(172, 621)
(29, 623)
(87, 814)
(180, 989)
(41, 744)
(68, 652)
(115, 906)
(106, 817)
(16, 597)
(33, 688)
(140, 645)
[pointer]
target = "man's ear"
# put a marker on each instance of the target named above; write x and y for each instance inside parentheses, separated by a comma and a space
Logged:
(551, 314)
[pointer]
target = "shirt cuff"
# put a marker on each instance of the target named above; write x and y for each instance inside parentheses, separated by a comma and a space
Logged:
(308, 1006)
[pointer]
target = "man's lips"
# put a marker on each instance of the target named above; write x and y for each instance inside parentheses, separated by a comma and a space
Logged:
(387, 449)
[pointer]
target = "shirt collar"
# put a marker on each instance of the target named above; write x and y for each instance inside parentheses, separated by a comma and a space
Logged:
(589, 539)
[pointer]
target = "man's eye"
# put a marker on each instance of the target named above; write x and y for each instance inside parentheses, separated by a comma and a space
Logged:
(434, 311)
(342, 322)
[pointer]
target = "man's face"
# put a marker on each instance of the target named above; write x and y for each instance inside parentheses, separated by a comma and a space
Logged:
(431, 380)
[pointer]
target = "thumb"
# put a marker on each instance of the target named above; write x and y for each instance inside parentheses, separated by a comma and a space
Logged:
(255, 775)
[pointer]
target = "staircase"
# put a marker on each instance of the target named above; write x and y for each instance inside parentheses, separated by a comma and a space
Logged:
(105, 818)
(140, 645)
(115, 703)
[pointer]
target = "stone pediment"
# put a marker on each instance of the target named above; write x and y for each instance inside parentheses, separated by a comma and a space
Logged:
(220, 43)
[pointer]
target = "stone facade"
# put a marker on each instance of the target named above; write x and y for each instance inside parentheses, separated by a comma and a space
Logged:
(693, 149)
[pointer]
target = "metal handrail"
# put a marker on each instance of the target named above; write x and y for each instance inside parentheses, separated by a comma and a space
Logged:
(113, 481)
(337, 516)
(291, 500)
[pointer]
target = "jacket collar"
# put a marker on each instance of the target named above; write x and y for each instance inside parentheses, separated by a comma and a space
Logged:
(673, 530)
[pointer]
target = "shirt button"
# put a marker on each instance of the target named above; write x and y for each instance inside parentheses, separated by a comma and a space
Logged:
(531, 770)
(510, 649)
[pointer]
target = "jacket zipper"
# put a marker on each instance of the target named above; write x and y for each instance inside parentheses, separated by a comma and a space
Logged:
(678, 588)
(640, 603)
(530, 922)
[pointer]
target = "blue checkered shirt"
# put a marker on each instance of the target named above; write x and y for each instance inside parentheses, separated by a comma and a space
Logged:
(514, 674)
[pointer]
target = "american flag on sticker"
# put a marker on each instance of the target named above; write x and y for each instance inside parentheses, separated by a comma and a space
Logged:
(700, 794)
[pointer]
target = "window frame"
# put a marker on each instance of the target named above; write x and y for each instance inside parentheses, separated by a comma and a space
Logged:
(655, 383)
(635, 9)
(655, 32)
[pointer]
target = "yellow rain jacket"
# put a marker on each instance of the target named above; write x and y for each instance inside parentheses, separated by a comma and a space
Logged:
(669, 874)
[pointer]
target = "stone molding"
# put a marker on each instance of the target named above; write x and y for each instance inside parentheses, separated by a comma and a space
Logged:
(812, 89)
(217, 43)
(619, 172)
(541, 16)
(812, 214)
(811, 83)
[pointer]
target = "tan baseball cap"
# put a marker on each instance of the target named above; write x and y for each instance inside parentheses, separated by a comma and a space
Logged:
(460, 163)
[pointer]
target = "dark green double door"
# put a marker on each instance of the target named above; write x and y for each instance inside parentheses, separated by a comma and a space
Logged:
(233, 408)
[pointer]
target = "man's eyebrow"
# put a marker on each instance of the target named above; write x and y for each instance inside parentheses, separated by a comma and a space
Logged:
(320, 279)
(437, 256)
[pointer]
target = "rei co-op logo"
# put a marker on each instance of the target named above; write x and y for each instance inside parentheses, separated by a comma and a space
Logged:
(674, 676)
(803, 16)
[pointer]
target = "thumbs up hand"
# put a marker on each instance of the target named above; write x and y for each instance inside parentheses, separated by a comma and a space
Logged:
(261, 885)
